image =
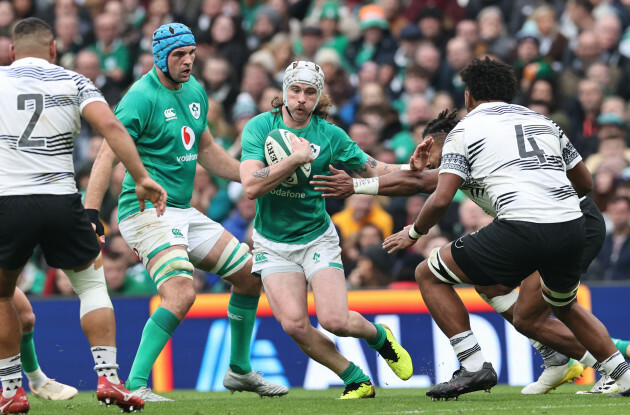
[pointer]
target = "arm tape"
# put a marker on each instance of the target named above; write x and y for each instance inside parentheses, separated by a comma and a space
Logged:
(366, 186)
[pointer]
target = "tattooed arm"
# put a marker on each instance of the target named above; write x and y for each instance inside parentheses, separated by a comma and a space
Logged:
(259, 179)
(373, 168)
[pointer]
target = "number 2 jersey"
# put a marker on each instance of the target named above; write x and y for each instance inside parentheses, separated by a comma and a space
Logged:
(515, 160)
(166, 126)
(40, 115)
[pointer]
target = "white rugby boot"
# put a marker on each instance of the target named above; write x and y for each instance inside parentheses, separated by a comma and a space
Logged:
(252, 382)
(552, 377)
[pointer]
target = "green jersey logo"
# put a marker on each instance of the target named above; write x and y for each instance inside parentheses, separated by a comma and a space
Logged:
(177, 233)
(261, 257)
(316, 257)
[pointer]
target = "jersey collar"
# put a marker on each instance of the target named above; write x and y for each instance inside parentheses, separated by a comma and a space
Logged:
(30, 61)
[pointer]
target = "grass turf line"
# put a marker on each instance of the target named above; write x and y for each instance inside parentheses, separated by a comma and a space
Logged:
(502, 400)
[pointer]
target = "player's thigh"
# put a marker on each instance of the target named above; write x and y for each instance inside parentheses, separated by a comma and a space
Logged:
(20, 227)
(530, 303)
(499, 253)
(595, 232)
(330, 294)
(148, 234)
(560, 254)
(287, 295)
(68, 240)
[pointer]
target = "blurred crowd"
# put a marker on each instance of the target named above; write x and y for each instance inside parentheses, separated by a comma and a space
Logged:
(390, 67)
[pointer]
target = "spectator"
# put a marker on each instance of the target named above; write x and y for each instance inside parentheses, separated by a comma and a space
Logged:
(409, 40)
(365, 136)
(458, 55)
(310, 41)
(329, 25)
(612, 141)
(553, 44)
(395, 18)
(337, 81)
(583, 114)
(614, 257)
(361, 210)
(606, 179)
(219, 82)
(375, 44)
(112, 52)
(241, 217)
(494, 34)
(374, 268)
(228, 41)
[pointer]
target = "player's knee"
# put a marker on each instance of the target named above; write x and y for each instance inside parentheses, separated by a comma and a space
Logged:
(296, 329)
(27, 319)
(524, 325)
(90, 286)
(244, 282)
(235, 256)
(559, 299)
(423, 273)
(336, 325)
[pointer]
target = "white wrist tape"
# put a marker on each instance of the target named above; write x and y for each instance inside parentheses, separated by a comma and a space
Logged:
(413, 234)
(367, 186)
(405, 167)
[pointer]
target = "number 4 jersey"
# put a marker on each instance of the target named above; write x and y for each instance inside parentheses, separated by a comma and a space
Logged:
(40, 116)
(518, 158)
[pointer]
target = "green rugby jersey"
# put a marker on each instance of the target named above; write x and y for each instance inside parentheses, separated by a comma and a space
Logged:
(166, 126)
(297, 214)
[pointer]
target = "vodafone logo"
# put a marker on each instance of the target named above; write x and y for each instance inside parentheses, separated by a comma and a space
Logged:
(188, 137)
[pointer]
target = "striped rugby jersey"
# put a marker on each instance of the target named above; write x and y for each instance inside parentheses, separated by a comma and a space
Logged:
(40, 115)
(515, 160)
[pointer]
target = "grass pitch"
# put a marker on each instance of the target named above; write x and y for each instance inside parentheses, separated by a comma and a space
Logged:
(502, 400)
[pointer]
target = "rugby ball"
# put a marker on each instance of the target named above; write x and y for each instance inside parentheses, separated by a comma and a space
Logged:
(278, 147)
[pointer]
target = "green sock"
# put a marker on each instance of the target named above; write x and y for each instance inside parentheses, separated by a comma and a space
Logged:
(353, 374)
(156, 333)
(377, 342)
(27, 350)
(243, 307)
(622, 346)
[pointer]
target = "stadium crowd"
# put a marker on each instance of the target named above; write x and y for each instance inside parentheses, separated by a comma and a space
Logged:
(391, 66)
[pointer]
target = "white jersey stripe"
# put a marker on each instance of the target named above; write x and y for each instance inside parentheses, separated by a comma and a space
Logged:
(40, 115)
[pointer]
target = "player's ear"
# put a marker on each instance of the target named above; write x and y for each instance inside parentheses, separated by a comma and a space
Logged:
(52, 50)
(12, 52)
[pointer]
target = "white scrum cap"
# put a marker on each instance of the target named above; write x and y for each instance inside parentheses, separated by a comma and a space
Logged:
(303, 72)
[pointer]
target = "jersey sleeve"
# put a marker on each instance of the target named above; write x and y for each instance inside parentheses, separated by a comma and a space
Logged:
(454, 155)
(130, 112)
(570, 155)
(86, 91)
(347, 151)
(253, 139)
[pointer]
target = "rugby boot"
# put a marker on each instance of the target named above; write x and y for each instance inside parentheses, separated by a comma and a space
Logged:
(464, 381)
(554, 376)
(252, 382)
(359, 391)
(109, 393)
(396, 356)
(17, 404)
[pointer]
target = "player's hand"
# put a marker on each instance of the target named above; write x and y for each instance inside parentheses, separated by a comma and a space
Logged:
(420, 157)
(149, 190)
(398, 241)
(301, 149)
(96, 224)
(338, 184)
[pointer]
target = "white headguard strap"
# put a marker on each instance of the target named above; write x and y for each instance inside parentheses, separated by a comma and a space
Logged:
(303, 72)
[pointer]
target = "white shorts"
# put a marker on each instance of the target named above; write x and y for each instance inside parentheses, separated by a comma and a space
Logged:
(272, 257)
(147, 234)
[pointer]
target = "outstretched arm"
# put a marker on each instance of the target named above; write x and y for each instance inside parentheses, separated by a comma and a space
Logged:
(216, 160)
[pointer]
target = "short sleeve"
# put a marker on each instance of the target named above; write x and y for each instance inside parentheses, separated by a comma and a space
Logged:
(86, 91)
(347, 152)
(570, 155)
(253, 139)
(129, 111)
(454, 157)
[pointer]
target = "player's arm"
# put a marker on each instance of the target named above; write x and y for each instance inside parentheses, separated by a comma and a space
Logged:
(374, 168)
(433, 210)
(216, 160)
(101, 117)
(98, 183)
(581, 179)
(259, 179)
(399, 183)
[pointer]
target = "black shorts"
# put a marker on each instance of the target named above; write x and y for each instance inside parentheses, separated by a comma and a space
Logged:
(506, 252)
(595, 232)
(57, 222)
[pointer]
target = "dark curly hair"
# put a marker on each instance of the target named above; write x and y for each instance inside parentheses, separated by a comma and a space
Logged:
(444, 123)
(490, 80)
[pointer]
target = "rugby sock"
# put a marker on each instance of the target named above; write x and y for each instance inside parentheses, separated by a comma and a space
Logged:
(377, 342)
(156, 333)
(353, 374)
(10, 375)
(622, 346)
(617, 368)
(550, 356)
(242, 316)
(34, 373)
(468, 351)
(588, 360)
(105, 362)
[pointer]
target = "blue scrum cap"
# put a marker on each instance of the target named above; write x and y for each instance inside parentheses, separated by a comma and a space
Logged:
(167, 38)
